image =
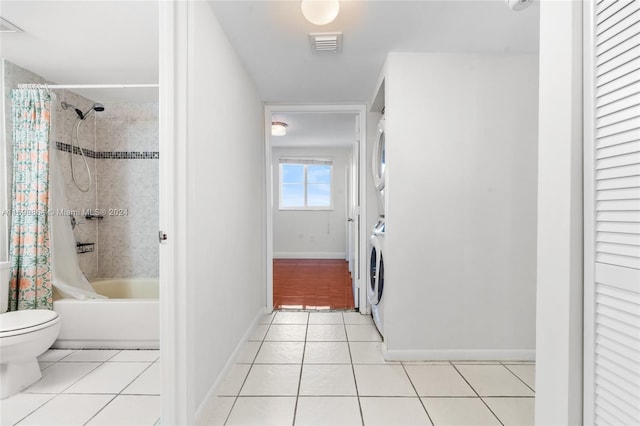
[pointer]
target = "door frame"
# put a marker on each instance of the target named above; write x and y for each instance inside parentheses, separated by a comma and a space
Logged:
(588, 81)
(361, 111)
(176, 344)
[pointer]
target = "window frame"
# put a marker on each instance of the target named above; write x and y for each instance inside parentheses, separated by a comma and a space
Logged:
(305, 162)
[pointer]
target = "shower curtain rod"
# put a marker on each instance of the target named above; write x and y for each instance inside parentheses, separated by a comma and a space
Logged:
(87, 86)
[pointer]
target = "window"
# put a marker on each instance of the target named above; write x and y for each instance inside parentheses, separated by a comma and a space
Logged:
(305, 184)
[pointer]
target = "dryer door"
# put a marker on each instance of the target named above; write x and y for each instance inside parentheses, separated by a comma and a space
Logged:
(373, 276)
(378, 157)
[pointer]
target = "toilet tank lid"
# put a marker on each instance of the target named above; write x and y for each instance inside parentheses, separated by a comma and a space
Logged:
(18, 320)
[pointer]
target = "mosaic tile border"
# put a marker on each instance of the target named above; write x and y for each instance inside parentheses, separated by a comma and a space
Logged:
(115, 155)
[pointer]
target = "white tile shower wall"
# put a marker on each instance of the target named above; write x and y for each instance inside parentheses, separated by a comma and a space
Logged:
(128, 189)
(125, 246)
(63, 122)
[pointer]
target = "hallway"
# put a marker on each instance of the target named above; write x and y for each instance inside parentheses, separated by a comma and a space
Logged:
(312, 284)
(326, 368)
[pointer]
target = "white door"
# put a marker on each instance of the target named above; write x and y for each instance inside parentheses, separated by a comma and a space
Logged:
(354, 221)
(612, 213)
(348, 203)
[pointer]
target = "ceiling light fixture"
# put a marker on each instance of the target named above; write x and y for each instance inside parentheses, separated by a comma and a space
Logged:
(278, 128)
(320, 12)
(518, 5)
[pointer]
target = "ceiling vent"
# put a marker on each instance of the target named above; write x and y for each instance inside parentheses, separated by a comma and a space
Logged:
(326, 42)
(8, 27)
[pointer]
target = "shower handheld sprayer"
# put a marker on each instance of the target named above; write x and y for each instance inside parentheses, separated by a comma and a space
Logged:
(82, 116)
(65, 105)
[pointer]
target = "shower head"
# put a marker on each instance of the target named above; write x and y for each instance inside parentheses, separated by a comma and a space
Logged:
(65, 105)
(83, 115)
(95, 107)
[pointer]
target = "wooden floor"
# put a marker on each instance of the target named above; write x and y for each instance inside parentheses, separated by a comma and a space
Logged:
(311, 284)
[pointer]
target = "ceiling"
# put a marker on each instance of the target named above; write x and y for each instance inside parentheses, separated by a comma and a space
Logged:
(272, 39)
(89, 42)
(315, 129)
(86, 42)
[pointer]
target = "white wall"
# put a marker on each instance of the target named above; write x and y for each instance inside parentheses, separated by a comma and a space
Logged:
(312, 233)
(461, 205)
(559, 299)
(224, 211)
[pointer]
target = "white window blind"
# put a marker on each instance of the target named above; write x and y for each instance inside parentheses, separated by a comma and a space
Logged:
(306, 161)
(613, 288)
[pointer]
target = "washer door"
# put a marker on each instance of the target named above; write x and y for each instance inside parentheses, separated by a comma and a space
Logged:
(378, 158)
(373, 289)
(380, 288)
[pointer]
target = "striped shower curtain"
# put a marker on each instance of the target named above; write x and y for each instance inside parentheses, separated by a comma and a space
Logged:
(30, 286)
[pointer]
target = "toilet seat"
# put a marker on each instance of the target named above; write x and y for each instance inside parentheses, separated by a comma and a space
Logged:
(26, 321)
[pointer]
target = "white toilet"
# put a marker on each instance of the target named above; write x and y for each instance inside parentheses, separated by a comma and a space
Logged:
(24, 335)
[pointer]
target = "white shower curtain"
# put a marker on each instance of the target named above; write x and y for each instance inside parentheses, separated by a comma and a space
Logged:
(68, 279)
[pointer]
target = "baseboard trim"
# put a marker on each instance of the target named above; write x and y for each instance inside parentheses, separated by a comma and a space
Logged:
(105, 344)
(309, 255)
(213, 390)
(459, 354)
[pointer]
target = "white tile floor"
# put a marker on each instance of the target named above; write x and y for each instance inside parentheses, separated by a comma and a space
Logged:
(326, 368)
(323, 368)
(89, 387)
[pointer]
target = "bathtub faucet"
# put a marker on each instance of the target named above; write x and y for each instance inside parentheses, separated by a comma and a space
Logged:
(74, 222)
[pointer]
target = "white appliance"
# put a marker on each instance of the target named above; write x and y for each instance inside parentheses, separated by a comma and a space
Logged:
(378, 160)
(375, 281)
(378, 166)
(375, 284)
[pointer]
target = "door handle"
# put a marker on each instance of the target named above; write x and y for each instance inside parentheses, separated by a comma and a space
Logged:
(350, 219)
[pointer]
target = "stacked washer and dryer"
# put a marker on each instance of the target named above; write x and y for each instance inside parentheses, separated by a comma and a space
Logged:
(375, 287)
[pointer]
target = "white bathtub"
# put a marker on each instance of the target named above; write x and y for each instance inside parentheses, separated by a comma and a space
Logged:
(129, 319)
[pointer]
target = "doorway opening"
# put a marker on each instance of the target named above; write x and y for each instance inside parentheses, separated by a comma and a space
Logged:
(313, 284)
(315, 191)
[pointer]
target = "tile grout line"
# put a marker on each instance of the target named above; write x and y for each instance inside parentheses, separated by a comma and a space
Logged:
(124, 388)
(353, 370)
(476, 392)
(417, 394)
(100, 410)
(136, 378)
(55, 395)
(48, 400)
(518, 377)
(113, 356)
(64, 360)
(235, 400)
(253, 362)
(38, 407)
(304, 348)
(119, 393)
(100, 364)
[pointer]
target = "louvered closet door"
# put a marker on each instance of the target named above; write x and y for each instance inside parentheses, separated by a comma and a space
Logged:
(614, 300)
